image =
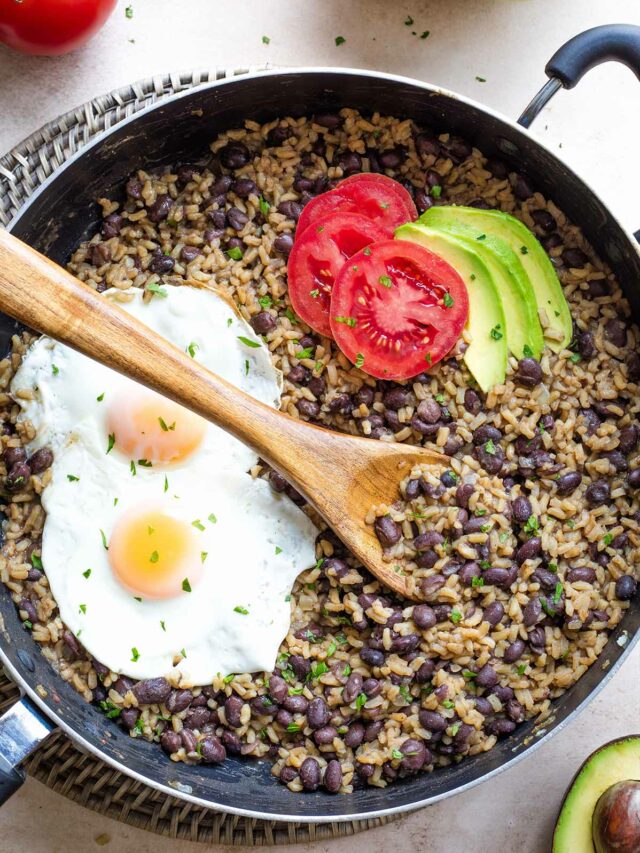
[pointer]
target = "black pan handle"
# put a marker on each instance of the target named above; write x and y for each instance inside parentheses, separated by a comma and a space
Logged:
(569, 64)
(22, 729)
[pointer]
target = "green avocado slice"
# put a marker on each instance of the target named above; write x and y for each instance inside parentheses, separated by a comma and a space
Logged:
(486, 355)
(524, 333)
(553, 310)
(614, 762)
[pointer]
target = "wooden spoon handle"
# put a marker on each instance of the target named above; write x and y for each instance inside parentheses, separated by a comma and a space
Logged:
(45, 297)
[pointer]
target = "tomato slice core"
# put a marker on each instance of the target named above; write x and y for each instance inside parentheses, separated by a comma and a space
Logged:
(317, 258)
(377, 197)
(397, 309)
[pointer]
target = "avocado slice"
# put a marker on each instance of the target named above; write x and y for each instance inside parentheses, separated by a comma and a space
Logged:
(553, 309)
(614, 762)
(524, 333)
(486, 355)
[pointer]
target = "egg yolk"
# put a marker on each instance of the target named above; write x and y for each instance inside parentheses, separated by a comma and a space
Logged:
(154, 429)
(154, 555)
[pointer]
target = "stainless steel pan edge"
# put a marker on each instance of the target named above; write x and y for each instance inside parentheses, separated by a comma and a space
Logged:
(245, 788)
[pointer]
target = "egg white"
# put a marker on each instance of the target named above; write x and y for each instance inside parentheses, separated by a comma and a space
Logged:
(257, 545)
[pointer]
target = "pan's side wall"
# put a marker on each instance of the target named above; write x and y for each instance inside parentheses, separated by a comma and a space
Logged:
(178, 131)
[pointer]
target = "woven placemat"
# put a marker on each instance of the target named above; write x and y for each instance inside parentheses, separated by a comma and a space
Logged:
(60, 764)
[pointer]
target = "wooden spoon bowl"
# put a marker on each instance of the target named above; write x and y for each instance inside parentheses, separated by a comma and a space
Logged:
(342, 476)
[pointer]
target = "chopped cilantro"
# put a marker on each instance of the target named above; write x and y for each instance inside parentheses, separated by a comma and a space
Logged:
(192, 349)
(467, 673)
(166, 483)
(294, 727)
(367, 251)
(436, 191)
(164, 427)
(348, 321)
(132, 468)
(265, 40)
(331, 649)
(36, 562)
(27, 624)
(490, 448)
(55, 370)
(481, 237)
(72, 478)
(531, 524)
(385, 281)
(87, 574)
(278, 550)
(477, 581)
(448, 703)
(112, 441)
(425, 34)
(129, 12)
(265, 301)
(359, 359)
(100, 397)
(197, 523)
(495, 333)
(408, 22)
(248, 343)
(135, 654)
(527, 352)
(264, 206)
(397, 755)
(83, 608)
(485, 528)
(448, 300)
(607, 539)
(428, 358)
(361, 701)
(340, 40)
(455, 616)
(242, 610)
(144, 463)
(314, 293)
(154, 287)
(186, 586)
(104, 540)
(481, 79)
(154, 557)
(318, 669)
(557, 594)
(521, 668)
(305, 353)
(575, 357)
(235, 253)
(111, 711)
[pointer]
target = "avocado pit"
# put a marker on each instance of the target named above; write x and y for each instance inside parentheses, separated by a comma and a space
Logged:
(616, 819)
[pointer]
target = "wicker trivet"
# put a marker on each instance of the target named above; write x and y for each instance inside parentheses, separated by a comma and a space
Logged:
(60, 764)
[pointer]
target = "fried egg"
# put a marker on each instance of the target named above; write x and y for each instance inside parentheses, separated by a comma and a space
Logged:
(162, 552)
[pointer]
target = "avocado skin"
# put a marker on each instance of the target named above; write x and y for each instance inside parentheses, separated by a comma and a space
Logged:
(485, 356)
(616, 761)
(546, 285)
(524, 333)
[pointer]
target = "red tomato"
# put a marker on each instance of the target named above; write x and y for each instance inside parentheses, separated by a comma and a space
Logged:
(51, 27)
(316, 259)
(397, 309)
(377, 197)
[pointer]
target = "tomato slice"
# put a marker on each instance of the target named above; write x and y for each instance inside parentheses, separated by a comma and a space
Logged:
(377, 197)
(397, 309)
(317, 258)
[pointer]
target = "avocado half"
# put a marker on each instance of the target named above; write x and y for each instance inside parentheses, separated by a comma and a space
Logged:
(586, 814)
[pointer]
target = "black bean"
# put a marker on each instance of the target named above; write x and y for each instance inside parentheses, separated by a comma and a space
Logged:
(236, 218)
(300, 666)
(212, 751)
(529, 372)
(463, 494)
(634, 479)
(544, 220)
(486, 676)
(499, 577)
(586, 345)
(263, 706)
(283, 244)
(581, 574)
(521, 187)
(13, 455)
(626, 587)
(333, 776)
(354, 736)
(616, 332)
(296, 704)
(468, 572)
(423, 427)
(189, 740)
(429, 411)
(161, 264)
(278, 689)
(152, 691)
(458, 149)
(244, 187)
(387, 531)
(29, 609)
(396, 398)
(515, 711)
(617, 460)
(318, 714)
(325, 735)
(170, 741)
(317, 386)
(112, 225)
(373, 657)
(514, 651)
(350, 162)
(197, 718)
(529, 550)
(483, 706)
(40, 460)
(371, 687)
(500, 726)
(231, 742)
(407, 643)
(307, 408)
(287, 774)
(290, 209)
(234, 155)
(310, 774)
(232, 709)
(329, 120)
(352, 688)
(521, 509)
(547, 579)
(491, 458)
(472, 401)
(628, 438)
(574, 258)
(423, 200)
(18, 477)
(552, 241)
(452, 445)
(620, 541)
(487, 432)
(428, 540)
(537, 639)
(598, 493)
(474, 524)
(425, 672)
(424, 617)
(189, 254)
(415, 755)
(372, 730)
(263, 323)
(390, 159)
(178, 700)
(568, 483)
(427, 144)
(429, 586)
(161, 207)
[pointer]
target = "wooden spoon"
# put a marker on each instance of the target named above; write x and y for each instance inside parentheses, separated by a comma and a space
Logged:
(341, 475)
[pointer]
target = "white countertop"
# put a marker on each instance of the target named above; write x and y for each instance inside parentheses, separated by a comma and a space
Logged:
(597, 125)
